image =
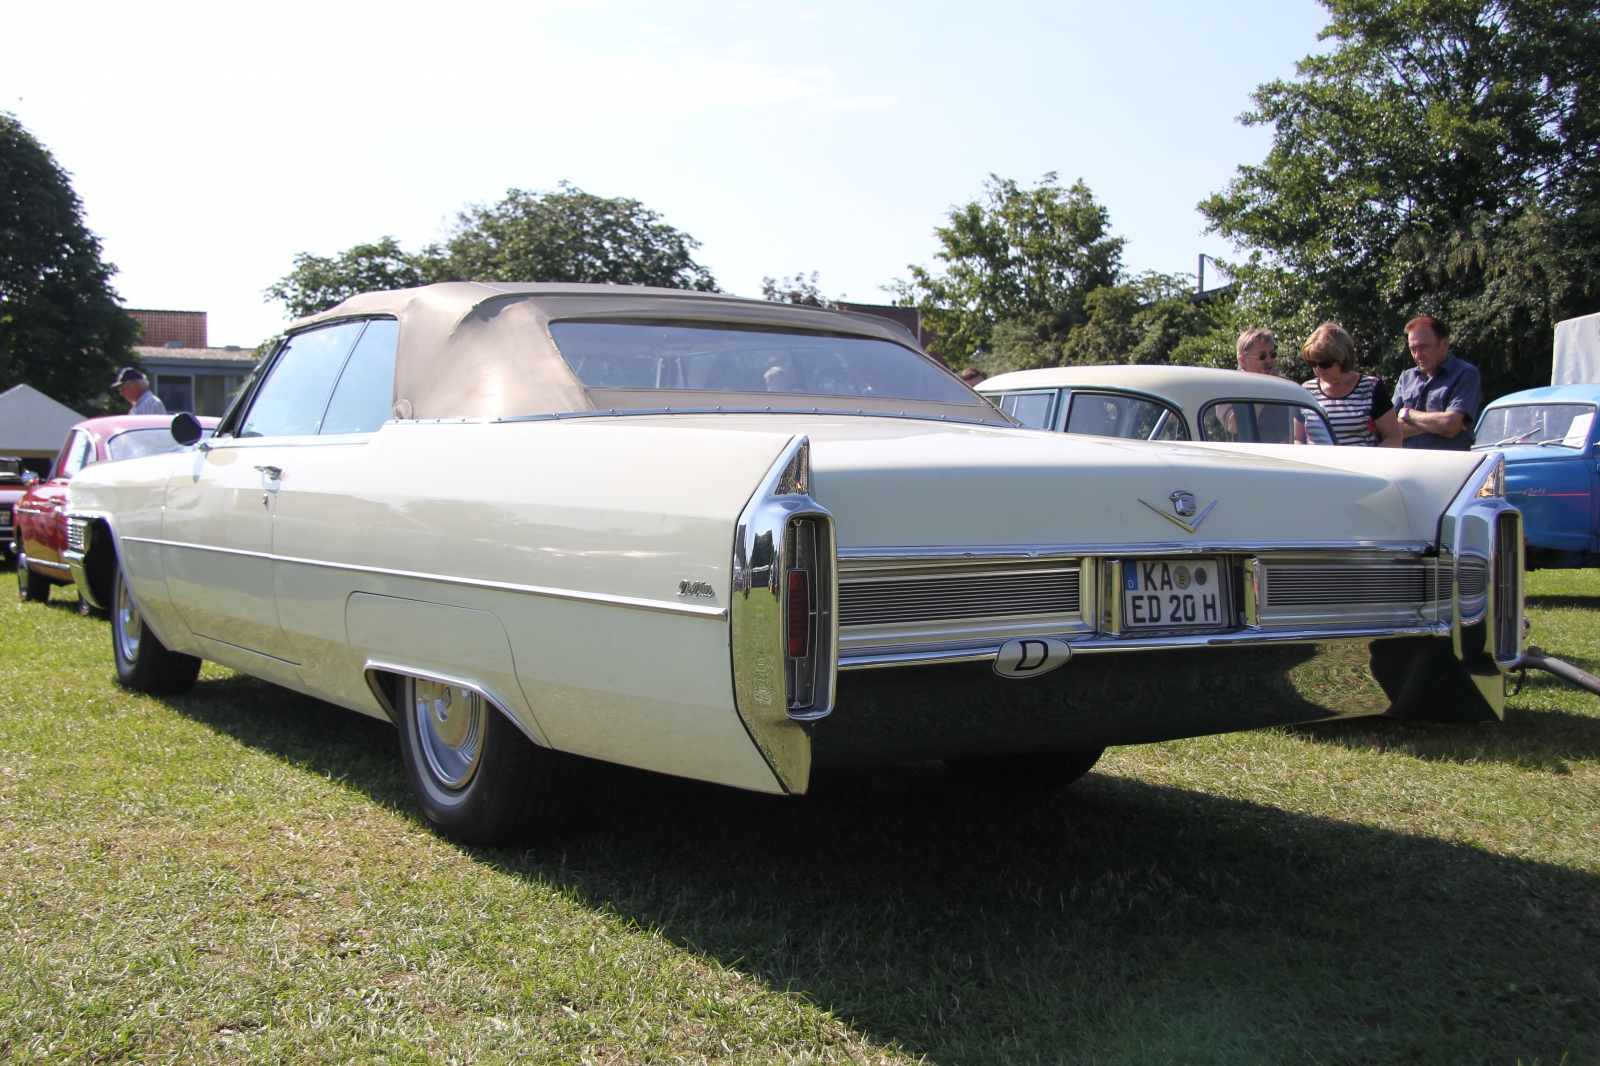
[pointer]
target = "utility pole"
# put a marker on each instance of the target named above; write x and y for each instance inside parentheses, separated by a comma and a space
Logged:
(1200, 277)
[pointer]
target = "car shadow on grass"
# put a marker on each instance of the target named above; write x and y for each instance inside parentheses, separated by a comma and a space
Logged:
(1118, 921)
(1535, 738)
(1560, 601)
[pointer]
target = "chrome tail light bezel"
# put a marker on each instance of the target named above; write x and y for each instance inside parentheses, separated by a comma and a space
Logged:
(1481, 558)
(781, 531)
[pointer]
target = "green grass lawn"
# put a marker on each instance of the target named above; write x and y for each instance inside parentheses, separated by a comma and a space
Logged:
(239, 875)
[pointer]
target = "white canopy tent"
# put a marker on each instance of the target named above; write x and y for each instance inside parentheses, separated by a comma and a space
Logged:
(32, 425)
(1577, 357)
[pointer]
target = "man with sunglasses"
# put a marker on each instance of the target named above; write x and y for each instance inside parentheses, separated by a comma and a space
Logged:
(1436, 401)
(1258, 352)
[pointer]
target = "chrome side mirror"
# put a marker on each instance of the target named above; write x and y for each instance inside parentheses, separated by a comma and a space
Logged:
(186, 428)
(30, 478)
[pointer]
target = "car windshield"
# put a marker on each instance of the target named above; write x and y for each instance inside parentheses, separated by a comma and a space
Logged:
(616, 355)
(1564, 425)
(1239, 421)
(132, 443)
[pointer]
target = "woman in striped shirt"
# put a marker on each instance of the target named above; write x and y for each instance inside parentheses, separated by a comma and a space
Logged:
(1358, 406)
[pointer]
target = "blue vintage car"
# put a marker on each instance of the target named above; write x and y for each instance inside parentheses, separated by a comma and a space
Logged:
(1548, 437)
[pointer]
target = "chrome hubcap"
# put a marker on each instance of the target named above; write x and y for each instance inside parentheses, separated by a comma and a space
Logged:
(130, 627)
(450, 722)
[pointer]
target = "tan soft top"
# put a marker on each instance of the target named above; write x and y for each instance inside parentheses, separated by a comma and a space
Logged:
(484, 350)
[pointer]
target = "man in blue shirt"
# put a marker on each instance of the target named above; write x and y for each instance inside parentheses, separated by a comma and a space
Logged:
(1437, 402)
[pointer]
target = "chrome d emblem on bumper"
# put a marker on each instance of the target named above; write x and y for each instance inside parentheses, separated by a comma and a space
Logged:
(1031, 656)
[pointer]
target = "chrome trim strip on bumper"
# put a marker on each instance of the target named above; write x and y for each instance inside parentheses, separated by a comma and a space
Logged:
(853, 558)
(1101, 644)
(52, 566)
(633, 602)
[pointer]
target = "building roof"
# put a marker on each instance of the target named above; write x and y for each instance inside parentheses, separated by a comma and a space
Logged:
(230, 360)
(1188, 386)
(33, 423)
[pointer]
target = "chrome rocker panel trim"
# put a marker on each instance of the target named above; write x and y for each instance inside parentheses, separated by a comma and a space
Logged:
(633, 602)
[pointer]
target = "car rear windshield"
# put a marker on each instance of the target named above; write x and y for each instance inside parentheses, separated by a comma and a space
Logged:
(618, 355)
(1242, 421)
(132, 443)
(1558, 424)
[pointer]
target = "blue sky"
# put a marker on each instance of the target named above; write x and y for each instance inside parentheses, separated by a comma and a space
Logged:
(210, 142)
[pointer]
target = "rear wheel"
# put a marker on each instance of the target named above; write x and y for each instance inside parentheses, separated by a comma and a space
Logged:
(31, 586)
(144, 664)
(1044, 769)
(478, 778)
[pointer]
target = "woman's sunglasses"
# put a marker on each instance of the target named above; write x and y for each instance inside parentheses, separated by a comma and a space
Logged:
(1320, 365)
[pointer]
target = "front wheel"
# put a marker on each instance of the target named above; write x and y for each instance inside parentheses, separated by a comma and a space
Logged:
(31, 586)
(144, 664)
(478, 778)
(1043, 769)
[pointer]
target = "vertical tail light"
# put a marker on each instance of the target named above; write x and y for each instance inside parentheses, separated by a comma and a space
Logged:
(799, 614)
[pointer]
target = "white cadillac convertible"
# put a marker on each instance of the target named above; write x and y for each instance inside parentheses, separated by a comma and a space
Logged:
(733, 540)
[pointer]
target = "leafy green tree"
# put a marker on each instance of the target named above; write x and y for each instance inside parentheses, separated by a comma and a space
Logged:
(319, 282)
(1140, 321)
(567, 235)
(1145, 319)
(796, 290)
(1025, 257)
(62, 329)
(1441, 158)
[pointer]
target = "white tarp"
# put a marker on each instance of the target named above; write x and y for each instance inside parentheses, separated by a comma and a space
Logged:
(1577, 359)
(31, 423)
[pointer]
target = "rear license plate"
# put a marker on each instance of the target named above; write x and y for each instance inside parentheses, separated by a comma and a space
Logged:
(1172, 594)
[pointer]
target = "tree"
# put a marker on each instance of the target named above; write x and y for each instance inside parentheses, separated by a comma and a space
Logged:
(796, 290)
(1440, 159)
(567, 235)
(317, 282)
(62, 329)
(1026, 257)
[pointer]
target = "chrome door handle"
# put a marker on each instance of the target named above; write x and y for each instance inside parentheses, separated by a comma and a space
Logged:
(274, 473)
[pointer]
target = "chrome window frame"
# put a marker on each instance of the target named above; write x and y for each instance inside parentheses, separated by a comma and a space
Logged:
(1308, 406)
(1052, 420)
(1172, 407)
(1589, 442)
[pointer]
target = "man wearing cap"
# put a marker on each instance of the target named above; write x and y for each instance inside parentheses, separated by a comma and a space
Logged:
(133, 386)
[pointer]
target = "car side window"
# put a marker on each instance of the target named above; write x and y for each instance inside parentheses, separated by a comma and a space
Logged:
(291, 401)
(78, 454)
(364, 398)
(1263, 423)
(1032, 409)
(1103, 414)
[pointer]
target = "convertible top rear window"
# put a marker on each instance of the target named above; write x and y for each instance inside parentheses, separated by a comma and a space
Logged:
(630, 355)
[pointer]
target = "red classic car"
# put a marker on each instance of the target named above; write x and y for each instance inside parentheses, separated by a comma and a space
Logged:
(40, 522)
(11, 490)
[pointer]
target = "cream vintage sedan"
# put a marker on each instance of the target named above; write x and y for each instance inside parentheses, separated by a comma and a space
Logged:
(1162, 403)
(733, 540)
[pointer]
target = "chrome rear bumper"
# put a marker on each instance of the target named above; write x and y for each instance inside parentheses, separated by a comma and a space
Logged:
(1151, 694)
